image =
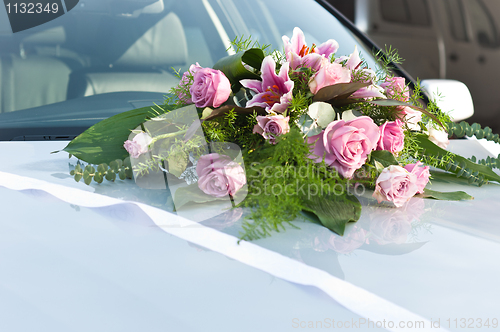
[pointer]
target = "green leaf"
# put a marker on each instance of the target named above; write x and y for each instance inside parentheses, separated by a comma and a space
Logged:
(334, 211)
(98, 178)
(308, 126)
(87, 180)
(322, 113)
(78, 177)
(446, 196)
(103, 142)
(114, 166)
(102, 168)
(127, 162)
(253, 57)
(232, 66)
(338, 91)
(122, 175)
(221, 111)
(433, 150)
(192, 193)
(177, 162)
(386, 158)
(110, 176)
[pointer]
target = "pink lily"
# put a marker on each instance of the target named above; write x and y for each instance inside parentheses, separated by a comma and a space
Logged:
(353, 63)
(274, 92)
(354, 60)
(299, 54)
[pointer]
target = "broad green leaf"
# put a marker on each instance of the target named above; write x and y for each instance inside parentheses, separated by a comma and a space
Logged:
(221, 111)
(433, 150)
(232, 66)
(338, 91)
(253, 57)
(340, 102)
(322, 113)
(441, 176)
(334, 211)
(446, 196)
(351, 115)
(386, 158)
(103, 142)
(308, 126)
(392, 102)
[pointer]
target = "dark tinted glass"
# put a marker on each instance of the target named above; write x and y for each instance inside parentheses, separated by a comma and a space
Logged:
(411, 12)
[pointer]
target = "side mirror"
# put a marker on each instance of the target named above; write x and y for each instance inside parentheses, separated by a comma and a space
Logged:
(452, 97)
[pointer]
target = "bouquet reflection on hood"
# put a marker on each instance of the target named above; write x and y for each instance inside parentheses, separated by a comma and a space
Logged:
(381, 229)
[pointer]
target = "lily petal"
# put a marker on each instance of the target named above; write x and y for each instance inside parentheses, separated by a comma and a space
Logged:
(328, 48)
(354, 59)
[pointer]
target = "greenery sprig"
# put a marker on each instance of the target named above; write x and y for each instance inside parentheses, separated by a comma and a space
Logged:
(463, 129)
(491, 162)
(282, 181)
(117, 168)
(461, 170)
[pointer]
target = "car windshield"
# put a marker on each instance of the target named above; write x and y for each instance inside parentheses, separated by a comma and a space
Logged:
(107, 56)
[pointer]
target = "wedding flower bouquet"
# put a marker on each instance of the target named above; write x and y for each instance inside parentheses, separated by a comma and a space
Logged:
(304, 131)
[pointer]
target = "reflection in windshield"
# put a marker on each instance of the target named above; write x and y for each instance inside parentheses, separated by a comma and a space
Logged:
(103, 47)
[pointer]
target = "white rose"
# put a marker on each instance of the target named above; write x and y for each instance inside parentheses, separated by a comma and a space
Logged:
(439, 137)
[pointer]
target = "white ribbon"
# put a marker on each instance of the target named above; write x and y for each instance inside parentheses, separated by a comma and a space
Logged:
(355, 299)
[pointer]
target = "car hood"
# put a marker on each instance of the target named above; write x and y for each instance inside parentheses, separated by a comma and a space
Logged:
(66, 262)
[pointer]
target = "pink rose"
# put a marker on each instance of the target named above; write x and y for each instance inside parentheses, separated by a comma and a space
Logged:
(139, 145)
(185, 83)
(210, 88)
(392, 229)
(219, 176)
(392, 136)
(396, 88)
(346, 244)
(421, 172)
(345, 145)
(395, 184)
(272, 126)
(329, 74)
